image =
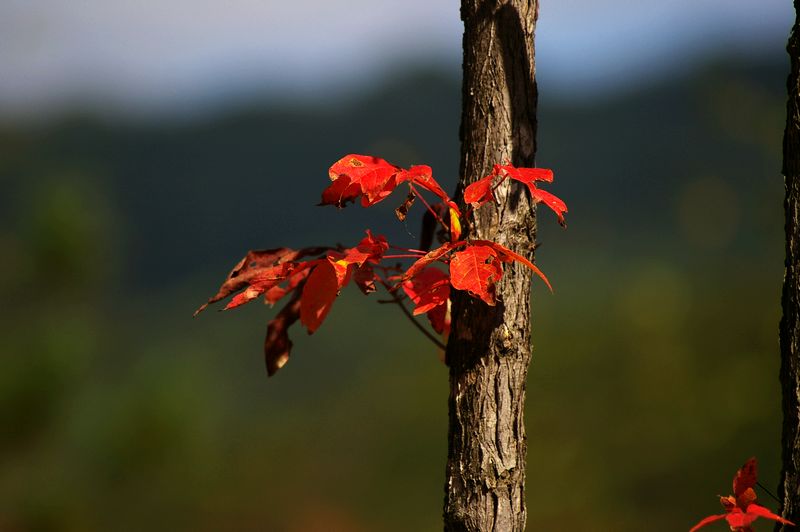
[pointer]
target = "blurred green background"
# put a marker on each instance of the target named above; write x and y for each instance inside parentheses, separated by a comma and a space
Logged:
(655, 361)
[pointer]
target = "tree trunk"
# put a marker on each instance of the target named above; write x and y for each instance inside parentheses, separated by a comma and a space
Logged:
(789, 488)
(489, 348)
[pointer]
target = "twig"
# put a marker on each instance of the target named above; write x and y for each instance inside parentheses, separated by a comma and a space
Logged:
(430, 209)
(399, 302)
(760, 485)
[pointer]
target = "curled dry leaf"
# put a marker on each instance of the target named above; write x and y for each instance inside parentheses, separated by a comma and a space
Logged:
(257, 263)
(277, 345)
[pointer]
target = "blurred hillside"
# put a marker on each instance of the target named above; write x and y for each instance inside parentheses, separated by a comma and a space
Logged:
(655, 364)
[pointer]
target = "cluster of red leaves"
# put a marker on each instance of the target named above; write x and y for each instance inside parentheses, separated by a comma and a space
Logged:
(315, 276)
(482, 191)
(741, 508)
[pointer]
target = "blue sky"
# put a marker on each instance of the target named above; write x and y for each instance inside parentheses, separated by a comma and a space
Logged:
(161, 54)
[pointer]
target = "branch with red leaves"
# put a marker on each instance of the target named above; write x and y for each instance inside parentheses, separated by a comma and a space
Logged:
(315, 276)
(741, 508)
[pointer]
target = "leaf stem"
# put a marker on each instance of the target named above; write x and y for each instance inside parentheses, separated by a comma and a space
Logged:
(760, 485)
(428, 206)
(410, 250)
(402, 256)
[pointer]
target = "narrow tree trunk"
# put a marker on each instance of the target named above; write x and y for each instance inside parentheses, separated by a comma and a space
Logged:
(489, 348)
(790, 324)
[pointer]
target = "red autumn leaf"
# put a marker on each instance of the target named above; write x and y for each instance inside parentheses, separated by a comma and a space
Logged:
(756, 510)
(746, 477)
(555, 203)
(319, 293)
(298, 275)
(440, 319)
(430, 292)
(740, 509)
(528, 176)
(422, 175)
(524, 175)
(506, 255)
(341, 192)
(354, 175)
(476, 270)
(277, 345)
(707, 521)
(428, 289)
(480, 192)
(430, 257)
(370, 249)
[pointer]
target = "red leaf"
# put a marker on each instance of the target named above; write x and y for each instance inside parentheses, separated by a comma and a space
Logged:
(428, 289)
(738, 520)
(440, 319)
(422, 175)
(353, 175)
(707, 521)
(555, 203)
(340, 192)
(371, 248)
(430, 257)
(741, 509)
(525, 175)
(298, 275)
(530, 176)
(480, 192)
(746, 477)
(759, 511)
(430, 292)
(506, 255)
(277, 345)
(319, 293)
(476, 270)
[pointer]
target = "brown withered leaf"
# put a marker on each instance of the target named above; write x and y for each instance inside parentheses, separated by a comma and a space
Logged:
(253, 264)
(402, 210)
(277, 345)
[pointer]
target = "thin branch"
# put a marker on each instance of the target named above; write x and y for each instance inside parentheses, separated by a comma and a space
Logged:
(410, 250)
(399, 302)
(760, 485)
(430, 209)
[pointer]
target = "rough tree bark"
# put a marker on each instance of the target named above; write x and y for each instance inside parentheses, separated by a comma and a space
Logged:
(489, 348)
(789, 488)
